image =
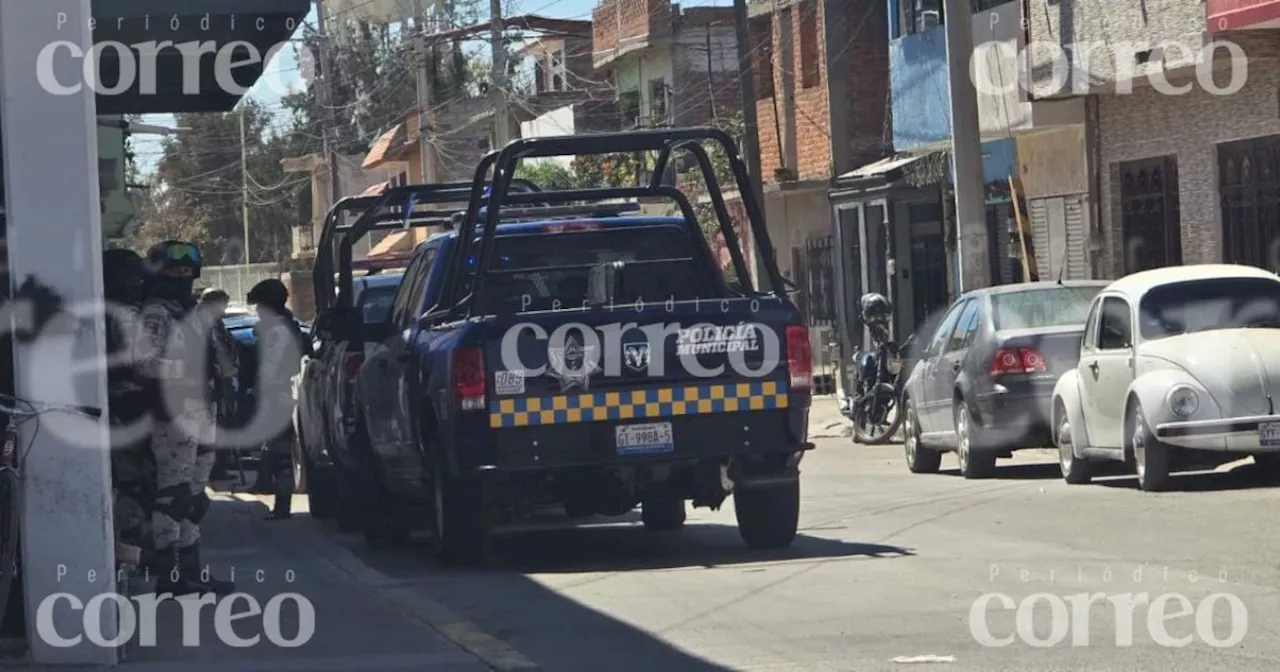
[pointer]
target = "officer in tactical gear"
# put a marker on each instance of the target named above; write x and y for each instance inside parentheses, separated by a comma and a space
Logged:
(170, 352)
(280, 350)
(132, 466)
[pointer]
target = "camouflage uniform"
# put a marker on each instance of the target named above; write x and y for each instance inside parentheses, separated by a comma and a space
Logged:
(171, 356)
(162, 354)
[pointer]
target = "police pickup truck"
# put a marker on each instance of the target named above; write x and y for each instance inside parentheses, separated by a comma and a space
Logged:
(558, 349)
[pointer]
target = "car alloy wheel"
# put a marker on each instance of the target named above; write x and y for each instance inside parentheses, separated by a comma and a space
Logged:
(962, 439)
(1066, 454)
(910, 440)
(1140, 444)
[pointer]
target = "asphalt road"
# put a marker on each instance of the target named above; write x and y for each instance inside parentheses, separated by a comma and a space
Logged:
(884, 575)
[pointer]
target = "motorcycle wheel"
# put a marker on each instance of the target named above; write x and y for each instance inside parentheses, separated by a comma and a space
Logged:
(876, 417)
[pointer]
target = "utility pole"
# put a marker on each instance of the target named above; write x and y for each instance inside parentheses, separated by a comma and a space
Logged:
(244, 188)
(747, 83)
(966, 151)
(498, 87)
(326, 99)
(426, 62)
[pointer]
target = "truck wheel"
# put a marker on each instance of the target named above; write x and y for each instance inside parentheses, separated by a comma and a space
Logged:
(768, 516)
(349, 500)
(1150, 456)
(301, 470)
(322, 494)
(462, 534)
(663, 513)
(380, 523)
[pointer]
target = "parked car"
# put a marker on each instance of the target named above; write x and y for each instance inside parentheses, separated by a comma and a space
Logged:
(984, 381)
(323, 418)
(1177, 365)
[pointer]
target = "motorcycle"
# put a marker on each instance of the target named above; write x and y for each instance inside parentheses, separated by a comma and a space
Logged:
(877, 395)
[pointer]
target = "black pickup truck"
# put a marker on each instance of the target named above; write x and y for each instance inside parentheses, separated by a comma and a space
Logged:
(556, 349)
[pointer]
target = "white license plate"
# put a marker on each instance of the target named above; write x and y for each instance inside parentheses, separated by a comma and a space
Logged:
(644, 439)
(1269, 434)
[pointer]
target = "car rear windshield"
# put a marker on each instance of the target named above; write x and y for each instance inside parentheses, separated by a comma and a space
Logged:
(1203, 305)
(550, 271)
(375, 303)
(1057, 306)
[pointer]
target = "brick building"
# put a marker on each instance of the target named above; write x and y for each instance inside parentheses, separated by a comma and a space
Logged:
(811, 58)
(669, 66)
(1185, 169)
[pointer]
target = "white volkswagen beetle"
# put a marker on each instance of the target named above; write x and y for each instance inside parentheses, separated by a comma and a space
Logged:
(1174, 362)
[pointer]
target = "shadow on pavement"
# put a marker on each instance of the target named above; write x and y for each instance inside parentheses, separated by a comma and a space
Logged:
(1017, 472)
(1242, 477)
(526, 597)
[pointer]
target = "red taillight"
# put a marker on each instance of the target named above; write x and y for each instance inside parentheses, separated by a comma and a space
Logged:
(351, 366)
(1017, 360)
(468, 378)
(799, 357)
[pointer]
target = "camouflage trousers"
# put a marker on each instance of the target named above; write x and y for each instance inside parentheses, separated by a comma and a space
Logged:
(134, 475)
(182, 473)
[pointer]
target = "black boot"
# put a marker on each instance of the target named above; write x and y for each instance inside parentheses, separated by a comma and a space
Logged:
(173, 578)
(200, 575)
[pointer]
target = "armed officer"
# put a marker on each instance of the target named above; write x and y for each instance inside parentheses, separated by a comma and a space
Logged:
(280, 348)
(133, 469)
(170, 352)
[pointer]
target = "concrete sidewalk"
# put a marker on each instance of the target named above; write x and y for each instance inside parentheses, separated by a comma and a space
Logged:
(358, 626)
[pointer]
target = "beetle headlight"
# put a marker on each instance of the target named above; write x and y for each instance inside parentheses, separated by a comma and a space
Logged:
(1184, 401)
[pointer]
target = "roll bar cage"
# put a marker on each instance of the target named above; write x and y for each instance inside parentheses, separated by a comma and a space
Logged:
(664, 141)
(380, 212)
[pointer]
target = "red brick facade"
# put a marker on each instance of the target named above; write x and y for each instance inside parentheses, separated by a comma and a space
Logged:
(615, 22)
(866, 110)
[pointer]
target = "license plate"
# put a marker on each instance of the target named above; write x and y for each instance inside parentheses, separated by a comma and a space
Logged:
(1269, 434)
(644, 439)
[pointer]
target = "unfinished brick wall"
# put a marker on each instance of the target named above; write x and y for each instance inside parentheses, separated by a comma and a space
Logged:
(866, 109)
(616, 21)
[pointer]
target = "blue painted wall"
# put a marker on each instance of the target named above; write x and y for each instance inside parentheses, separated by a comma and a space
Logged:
(918, 83)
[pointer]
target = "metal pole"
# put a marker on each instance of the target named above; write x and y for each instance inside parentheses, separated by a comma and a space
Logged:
(326, 99)
(426, 81)
(747, 82)
(966, 151)
(244, 188)
(498, 87)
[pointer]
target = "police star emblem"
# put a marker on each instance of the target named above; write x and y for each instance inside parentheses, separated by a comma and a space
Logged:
(573, 365)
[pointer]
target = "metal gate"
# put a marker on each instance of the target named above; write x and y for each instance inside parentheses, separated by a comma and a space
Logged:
(820, 280)
(1249, 185)
(1150, 217)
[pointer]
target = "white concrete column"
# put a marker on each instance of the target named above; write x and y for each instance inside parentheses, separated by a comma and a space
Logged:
(55, 235)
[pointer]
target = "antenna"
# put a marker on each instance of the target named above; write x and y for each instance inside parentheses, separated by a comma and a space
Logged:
(1062, 269)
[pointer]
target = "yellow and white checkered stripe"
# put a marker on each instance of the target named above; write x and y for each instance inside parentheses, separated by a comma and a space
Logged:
(636, 404)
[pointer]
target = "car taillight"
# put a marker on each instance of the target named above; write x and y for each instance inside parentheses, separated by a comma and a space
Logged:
(468, 378)
(351, 366)
(799, 357)
(1017, 360)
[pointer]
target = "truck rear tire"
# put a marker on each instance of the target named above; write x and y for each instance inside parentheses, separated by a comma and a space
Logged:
(768, 516)
(663, 513)
(462, 534)
(322, 496)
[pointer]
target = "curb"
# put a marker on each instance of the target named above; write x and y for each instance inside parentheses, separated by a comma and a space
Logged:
(464, 634)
